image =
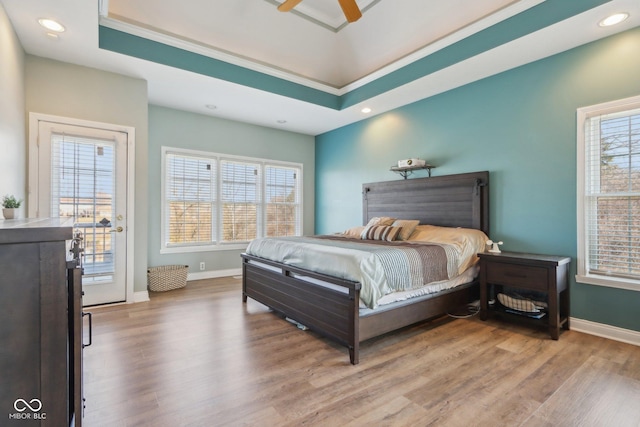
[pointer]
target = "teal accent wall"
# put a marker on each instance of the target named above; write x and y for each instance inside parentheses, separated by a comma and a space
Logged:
(181, 129)
(521, 126)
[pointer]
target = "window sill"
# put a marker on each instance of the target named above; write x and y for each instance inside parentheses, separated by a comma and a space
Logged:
(189, 249)
(611, 282)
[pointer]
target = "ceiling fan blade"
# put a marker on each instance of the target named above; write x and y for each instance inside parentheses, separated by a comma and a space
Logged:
(287, 5)
(350, 9)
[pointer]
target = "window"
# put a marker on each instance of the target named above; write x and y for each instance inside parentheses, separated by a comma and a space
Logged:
(216, 201)
(281, 206)
(609, 194)
(190, 201)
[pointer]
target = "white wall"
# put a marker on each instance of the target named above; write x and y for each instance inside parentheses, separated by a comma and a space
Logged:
(68, 90)
(181, 129)
(13, 149)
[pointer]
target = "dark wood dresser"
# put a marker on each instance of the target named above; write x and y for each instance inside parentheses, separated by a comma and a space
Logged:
(40, 325)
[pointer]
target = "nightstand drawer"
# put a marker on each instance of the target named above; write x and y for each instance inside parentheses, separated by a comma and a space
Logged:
(517, 275)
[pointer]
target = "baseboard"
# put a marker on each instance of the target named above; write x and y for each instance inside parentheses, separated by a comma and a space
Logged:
(214, 274)
(140, 296)
(143, 296)
(605, 331)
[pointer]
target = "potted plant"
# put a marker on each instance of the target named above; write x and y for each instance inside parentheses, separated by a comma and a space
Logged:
(9, 206)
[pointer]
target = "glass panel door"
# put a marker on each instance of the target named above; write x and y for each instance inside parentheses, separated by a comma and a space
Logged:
(84, 177)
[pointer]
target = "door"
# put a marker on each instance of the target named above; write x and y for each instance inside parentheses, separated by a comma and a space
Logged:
(82, 173)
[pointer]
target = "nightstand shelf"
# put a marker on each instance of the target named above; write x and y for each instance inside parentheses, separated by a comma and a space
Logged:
(545, 275)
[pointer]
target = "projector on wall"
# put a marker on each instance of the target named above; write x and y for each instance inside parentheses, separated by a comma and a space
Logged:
(410, 163)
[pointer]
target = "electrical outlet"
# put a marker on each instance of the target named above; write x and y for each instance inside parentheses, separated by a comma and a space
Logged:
(202, 266)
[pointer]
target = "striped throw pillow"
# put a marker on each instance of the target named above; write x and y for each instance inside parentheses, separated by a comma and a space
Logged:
(381, 232)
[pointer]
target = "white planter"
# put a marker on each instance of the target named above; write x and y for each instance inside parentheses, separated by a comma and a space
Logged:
(10, 213)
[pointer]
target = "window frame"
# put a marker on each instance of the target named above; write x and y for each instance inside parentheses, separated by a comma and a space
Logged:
(218, 158)
(583, 115)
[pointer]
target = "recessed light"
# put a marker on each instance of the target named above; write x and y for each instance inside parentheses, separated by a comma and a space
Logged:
(366, 110)
(282, 121)
(211, 106)
(614, 19)
(51, 25)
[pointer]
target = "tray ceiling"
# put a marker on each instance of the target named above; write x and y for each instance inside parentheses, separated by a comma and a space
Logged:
(308, 71)
(302, 42)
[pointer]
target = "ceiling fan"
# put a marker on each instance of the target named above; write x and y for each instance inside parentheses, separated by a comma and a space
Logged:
(349, 8)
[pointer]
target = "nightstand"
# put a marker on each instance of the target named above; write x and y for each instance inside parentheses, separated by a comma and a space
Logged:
(547, 275)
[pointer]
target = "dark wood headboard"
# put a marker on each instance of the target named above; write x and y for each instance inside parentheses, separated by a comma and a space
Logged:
(460, 200)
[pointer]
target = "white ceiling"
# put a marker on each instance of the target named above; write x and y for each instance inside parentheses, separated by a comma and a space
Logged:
(327, 13)
(254, 35)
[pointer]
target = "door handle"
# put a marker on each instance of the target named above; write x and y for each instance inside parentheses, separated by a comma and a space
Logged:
(116, 230)
(90, 329)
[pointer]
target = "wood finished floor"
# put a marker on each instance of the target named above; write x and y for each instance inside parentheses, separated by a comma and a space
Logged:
(198, 356)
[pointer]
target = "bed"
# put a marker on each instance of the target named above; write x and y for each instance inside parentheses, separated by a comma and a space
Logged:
(331, 305)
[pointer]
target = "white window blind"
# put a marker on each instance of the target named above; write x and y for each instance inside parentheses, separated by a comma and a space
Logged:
(240, 200)
(190, 202)
(83, 186)
(282, 194)
(211, 200)
(83, 177)
(611, 200)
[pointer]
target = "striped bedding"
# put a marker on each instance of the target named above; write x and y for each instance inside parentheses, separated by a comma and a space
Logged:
(381, 267)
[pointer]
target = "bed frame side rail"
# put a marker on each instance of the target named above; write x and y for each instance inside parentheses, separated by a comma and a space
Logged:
(437, 305)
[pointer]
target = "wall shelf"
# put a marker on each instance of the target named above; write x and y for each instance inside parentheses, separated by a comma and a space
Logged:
(408, 170)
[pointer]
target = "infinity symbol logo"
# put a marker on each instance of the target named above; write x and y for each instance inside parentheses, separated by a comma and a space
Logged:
(21, 405)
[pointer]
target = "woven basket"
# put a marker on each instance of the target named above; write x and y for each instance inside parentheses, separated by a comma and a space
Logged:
(167, 277)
